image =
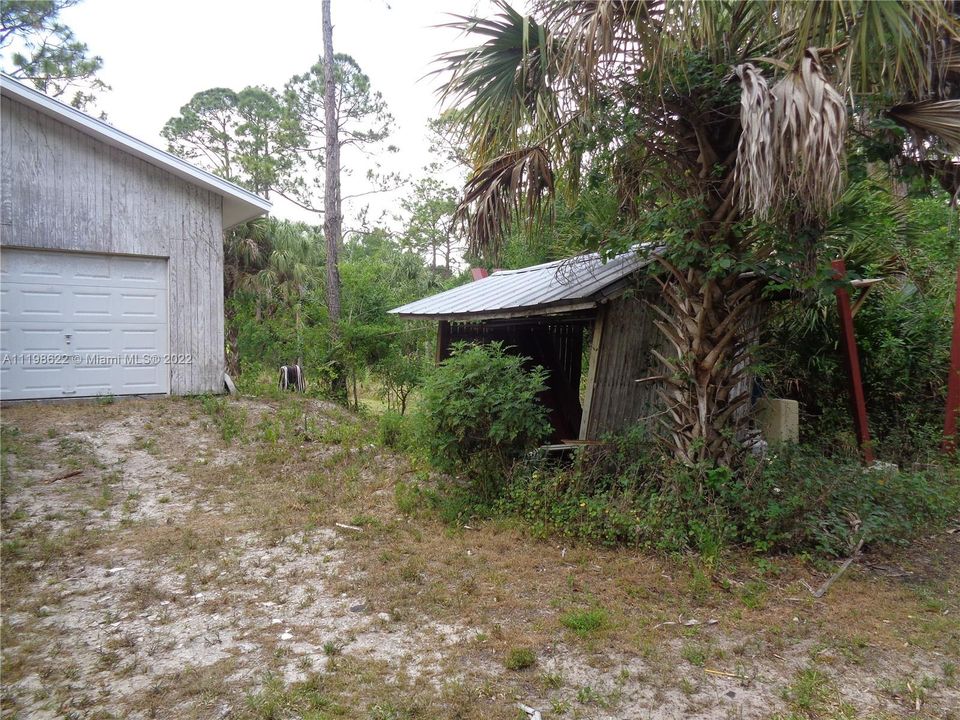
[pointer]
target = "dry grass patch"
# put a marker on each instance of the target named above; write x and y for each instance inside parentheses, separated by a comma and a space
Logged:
(195, 568)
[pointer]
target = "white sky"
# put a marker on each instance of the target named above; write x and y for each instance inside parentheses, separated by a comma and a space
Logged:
(158, 53)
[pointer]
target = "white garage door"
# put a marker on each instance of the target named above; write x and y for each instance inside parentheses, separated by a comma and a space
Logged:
(75, 325)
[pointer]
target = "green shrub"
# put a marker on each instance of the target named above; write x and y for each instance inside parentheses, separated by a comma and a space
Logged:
(480, 412)
(229, 418)
(585, 622)
(520, 659)
(392, 430)
(795, 499)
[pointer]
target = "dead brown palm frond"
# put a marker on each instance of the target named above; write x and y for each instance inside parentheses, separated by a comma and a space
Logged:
(809, 125)
(790, 157)
(754, 169)
(940, 118)
(514, 182)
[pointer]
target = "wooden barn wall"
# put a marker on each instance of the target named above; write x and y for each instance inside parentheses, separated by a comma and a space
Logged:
(63, 190)
(620, 355)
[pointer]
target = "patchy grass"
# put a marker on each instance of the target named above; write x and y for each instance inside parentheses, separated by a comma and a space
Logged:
(585, 622)
(520, 658)
(197, 566)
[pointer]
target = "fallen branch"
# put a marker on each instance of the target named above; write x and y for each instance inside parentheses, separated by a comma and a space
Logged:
(349, 527)
(72, 473)
(843, 568)
(725, 674)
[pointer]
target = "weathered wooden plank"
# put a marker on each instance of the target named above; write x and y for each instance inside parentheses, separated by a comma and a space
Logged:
(6, 168)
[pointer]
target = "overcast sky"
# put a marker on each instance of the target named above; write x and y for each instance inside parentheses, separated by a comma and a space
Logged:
(158, 53)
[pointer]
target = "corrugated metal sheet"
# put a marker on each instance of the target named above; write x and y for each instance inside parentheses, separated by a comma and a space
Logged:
(560, 286)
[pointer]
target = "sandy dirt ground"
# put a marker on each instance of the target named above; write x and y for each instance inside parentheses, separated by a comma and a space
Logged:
(186, 558)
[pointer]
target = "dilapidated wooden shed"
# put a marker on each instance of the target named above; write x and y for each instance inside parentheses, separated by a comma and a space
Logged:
(561, 314)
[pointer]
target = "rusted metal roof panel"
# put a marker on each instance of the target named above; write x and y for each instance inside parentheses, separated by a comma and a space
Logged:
(561, 286)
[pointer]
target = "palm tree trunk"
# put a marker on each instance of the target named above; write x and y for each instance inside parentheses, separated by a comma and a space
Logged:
(708, 324)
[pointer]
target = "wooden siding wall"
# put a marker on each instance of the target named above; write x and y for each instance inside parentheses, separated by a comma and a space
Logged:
(620, 355)
(63, 190)
(623, 337)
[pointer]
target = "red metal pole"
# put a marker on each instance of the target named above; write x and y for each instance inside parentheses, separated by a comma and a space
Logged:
(852, 359)
(953, 381)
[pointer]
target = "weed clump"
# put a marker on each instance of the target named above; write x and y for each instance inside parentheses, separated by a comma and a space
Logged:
(520, 658)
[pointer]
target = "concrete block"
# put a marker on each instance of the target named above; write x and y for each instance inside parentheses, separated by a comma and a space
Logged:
(778, 420)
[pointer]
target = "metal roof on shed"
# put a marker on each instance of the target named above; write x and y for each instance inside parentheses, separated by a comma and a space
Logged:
(577, 283)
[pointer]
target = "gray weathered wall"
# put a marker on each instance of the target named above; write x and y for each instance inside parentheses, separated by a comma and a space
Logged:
(63, 190)
(620, 355)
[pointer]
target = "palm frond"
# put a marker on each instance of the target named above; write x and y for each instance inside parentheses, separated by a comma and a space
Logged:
(928, 117)
(754, 169)
(810, 123)
(501, 87)
(514, 182)
(790, 157)
(881, 45)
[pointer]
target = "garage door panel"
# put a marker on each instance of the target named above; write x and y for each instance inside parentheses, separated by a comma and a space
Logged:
(142, 379)
(88, 340)
(34, 339)
(101, 317)
(82, 270)
(41, 304)
(91, 304)
(29, 266)
(144, 305)
(72, 305)
(135, 272)
(88, 267)
(141, 341)
(120, 380)
(43, 381)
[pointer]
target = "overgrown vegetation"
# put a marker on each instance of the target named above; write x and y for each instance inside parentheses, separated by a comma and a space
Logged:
(480, 412)
(793, 499)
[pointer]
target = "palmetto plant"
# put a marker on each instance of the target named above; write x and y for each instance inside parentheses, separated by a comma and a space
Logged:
(735, 110)
(278, 263)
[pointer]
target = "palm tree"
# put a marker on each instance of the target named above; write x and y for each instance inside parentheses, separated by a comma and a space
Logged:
(292, 272)
(278, 263)
(246, 250)
(723, 121)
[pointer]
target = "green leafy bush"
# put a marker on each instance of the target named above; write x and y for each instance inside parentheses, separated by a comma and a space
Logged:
(392, 430)
(585, 622)
(796, 499)
(480, 412)
(520, 658)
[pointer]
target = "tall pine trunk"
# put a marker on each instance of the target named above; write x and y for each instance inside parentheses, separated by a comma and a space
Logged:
(332, 220)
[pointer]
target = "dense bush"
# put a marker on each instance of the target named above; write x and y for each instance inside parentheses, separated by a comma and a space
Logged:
(903, 328)
(793, 499)
(480, 412)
